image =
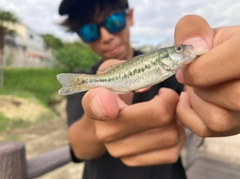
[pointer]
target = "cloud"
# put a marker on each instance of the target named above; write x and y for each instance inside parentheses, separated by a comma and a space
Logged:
(154, 19)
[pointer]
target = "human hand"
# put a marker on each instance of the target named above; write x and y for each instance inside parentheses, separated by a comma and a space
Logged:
(139, 134)
(211, 105)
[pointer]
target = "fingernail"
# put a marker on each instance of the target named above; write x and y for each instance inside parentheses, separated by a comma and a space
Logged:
(200, 45)
(182, 94)
(180, 77)
(97, 108)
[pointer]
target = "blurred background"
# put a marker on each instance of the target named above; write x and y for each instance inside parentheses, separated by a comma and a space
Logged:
(34, 49)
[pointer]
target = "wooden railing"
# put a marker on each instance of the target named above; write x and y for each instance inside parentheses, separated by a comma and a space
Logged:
(13, 163)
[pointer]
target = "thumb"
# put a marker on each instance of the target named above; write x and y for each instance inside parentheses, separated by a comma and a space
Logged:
(194, 30)
(100, 104)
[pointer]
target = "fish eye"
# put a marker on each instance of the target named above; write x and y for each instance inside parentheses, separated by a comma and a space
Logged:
(179, 48)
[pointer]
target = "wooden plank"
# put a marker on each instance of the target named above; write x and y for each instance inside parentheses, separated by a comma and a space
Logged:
(48, 162)
(12, 161)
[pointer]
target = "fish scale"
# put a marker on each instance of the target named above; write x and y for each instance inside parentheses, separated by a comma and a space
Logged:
(139, 72)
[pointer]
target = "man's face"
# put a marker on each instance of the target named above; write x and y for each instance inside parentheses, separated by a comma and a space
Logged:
(114, 46)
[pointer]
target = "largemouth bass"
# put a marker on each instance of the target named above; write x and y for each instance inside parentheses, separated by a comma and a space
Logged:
(134, 74)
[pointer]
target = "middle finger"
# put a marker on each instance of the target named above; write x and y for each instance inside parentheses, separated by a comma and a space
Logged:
(145, 141)
(229, 93)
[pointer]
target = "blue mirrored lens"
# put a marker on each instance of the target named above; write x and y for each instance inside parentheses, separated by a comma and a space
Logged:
(89, 32)
(116, 22)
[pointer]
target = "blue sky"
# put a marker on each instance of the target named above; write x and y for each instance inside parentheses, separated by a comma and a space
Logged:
(154, 19)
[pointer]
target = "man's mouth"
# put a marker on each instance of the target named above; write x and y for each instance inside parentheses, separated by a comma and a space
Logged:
(113, 51)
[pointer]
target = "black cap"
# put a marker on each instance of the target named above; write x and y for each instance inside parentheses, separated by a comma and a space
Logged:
(65, 6)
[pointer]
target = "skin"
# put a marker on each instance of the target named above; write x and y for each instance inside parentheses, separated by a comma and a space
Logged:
(140, 134)
(114, 42)
(211, 104)
(148, 133)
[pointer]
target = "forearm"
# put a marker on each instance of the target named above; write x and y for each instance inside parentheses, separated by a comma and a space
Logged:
(83, 139)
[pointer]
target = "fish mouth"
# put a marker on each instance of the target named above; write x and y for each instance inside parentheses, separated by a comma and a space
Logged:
(190, 54)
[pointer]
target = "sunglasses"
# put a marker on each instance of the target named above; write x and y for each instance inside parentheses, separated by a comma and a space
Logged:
(113, 23)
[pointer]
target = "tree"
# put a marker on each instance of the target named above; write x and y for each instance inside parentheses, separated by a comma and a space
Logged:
(5, 16)
(74, 56)
(52, 41)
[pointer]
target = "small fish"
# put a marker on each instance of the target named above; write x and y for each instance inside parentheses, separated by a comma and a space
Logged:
(134, 74)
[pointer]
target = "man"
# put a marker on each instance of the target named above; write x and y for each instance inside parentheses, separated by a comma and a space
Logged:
(126, 136)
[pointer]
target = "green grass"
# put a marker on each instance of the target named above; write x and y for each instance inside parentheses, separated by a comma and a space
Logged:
(28, 83)
(3, 122)
(6, 124)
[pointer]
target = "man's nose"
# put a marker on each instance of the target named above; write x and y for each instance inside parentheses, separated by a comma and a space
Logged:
(106, 36)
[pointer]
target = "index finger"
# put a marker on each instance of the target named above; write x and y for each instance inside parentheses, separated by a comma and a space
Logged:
(139, 117)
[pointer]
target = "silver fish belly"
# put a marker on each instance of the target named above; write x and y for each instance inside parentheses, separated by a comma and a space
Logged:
(137, 73)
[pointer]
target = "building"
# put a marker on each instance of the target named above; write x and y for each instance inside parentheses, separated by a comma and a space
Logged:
(26, 48)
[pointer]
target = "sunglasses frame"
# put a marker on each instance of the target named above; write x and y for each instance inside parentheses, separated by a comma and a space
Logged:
(102, 24)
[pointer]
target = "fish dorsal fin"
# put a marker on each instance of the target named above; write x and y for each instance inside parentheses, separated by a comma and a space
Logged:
(105, 70)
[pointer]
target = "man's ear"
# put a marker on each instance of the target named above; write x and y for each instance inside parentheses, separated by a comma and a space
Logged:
(130, 17)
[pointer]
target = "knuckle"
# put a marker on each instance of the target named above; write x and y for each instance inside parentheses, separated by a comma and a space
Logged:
(203, 131)
(163, 116)
(220, 122)
(173, 158)
(171, 139)
(236, 100)
(152, 118)
(104, 135)
(192, 78)
(117, 149)
(115, 153)
(220, 126)
(162, 111)
(137, 162)
(101, 136)
(236, 103)
(129, 163)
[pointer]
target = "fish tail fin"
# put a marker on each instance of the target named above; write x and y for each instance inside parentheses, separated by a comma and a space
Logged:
(71, 83)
